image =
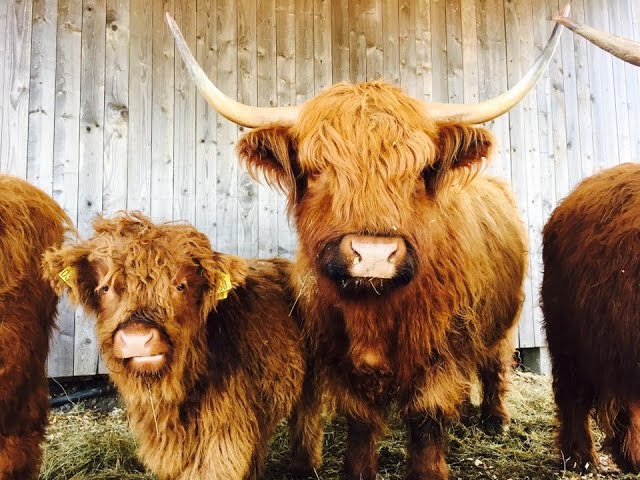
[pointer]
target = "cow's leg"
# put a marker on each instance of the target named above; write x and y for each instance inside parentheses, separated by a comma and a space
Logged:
(427, 440)
(361, 460)
(625, 444)
(494, 374)
(20, 455)
(574, 400)
(306, 431)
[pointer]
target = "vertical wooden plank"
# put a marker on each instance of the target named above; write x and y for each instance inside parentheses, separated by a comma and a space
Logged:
(162, 116)
(206, 118)
(116, 111)
(424, 67)
(492, 77)
(616, 26)
(247, 93)
(184, 147)
(4, 7)
(227, 164)
(339, 40)
(373, 33)
(266, 67)
(390, 35)
(42, 94)
(286, 91)
(91, 157)
(407, 47)
(522, 129)
(357, 41)
(304, 55)
(583, 84)
(632, 75)
(65, 166)
(603, 104)
(571, 147)
(321, 47)
(544, 110)
(440, 90)
(469, 50)
(15, 92)
(140, 102)
(455, 86)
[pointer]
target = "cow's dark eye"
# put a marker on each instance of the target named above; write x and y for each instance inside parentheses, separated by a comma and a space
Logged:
(180, 287)
(104, 288)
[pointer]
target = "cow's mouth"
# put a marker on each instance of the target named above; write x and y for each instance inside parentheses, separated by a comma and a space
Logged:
(367, 265)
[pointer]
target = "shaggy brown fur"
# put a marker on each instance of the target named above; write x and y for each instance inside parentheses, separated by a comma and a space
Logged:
(30, 222)
(367, 159)
(232, 368)
(591, 303)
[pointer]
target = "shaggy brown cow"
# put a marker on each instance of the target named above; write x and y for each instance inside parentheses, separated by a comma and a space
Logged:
(591, 304)
(30, 222)
(205, 377)
(410, 264)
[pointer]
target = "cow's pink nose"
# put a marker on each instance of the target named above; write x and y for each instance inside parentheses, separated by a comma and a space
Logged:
(373, 257)
(138, 341)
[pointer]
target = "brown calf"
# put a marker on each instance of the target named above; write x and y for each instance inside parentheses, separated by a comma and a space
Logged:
(203, 347)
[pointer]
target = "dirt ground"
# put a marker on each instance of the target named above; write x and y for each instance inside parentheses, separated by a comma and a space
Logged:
(91, 440)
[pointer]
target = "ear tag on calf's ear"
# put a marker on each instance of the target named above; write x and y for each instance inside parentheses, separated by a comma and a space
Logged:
(224, 286)
(66, 275)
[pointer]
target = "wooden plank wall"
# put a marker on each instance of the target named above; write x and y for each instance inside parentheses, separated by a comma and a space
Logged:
(97, 109)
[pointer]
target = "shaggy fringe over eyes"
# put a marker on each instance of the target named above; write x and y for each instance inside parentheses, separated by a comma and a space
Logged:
(140, 253)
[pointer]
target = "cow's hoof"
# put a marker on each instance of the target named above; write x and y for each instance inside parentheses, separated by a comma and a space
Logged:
(495, 425)
(582, 462)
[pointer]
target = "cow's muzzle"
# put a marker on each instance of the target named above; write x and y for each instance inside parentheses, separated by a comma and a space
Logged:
(142, 346)
(367, 263)
(372, 257)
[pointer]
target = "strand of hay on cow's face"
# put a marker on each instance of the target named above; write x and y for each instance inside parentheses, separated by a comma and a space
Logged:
(87, 445)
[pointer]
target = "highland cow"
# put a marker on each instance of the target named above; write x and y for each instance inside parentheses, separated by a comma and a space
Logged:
(410, 265)
(204, 348)
(30, 222)
(591, 305)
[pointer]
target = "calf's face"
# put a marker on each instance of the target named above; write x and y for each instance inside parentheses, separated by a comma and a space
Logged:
(150, 286)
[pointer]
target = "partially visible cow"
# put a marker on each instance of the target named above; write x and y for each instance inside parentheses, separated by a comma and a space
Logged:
(204, 348)
(591, 303)
(30, 222)
(410, 264)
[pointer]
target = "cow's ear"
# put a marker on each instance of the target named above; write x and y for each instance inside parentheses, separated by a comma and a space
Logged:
(69, 269)
(272, 152)
(223, 274)
(460, 149)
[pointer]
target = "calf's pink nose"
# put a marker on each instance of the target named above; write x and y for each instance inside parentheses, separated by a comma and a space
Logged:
(135, 341)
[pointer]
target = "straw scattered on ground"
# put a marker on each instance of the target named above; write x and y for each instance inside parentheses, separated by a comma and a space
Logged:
(95, 443)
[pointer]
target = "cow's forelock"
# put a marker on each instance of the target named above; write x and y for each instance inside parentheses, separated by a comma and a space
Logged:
(366, 148)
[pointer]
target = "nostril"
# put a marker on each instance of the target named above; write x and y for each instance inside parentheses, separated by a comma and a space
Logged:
(357, 257)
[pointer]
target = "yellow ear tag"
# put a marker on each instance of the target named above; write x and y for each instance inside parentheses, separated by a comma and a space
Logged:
(224, 286)
(66, 275)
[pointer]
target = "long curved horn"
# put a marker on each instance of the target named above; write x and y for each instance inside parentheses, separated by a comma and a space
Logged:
(623, 48)
(227, 107)
(494, 107)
